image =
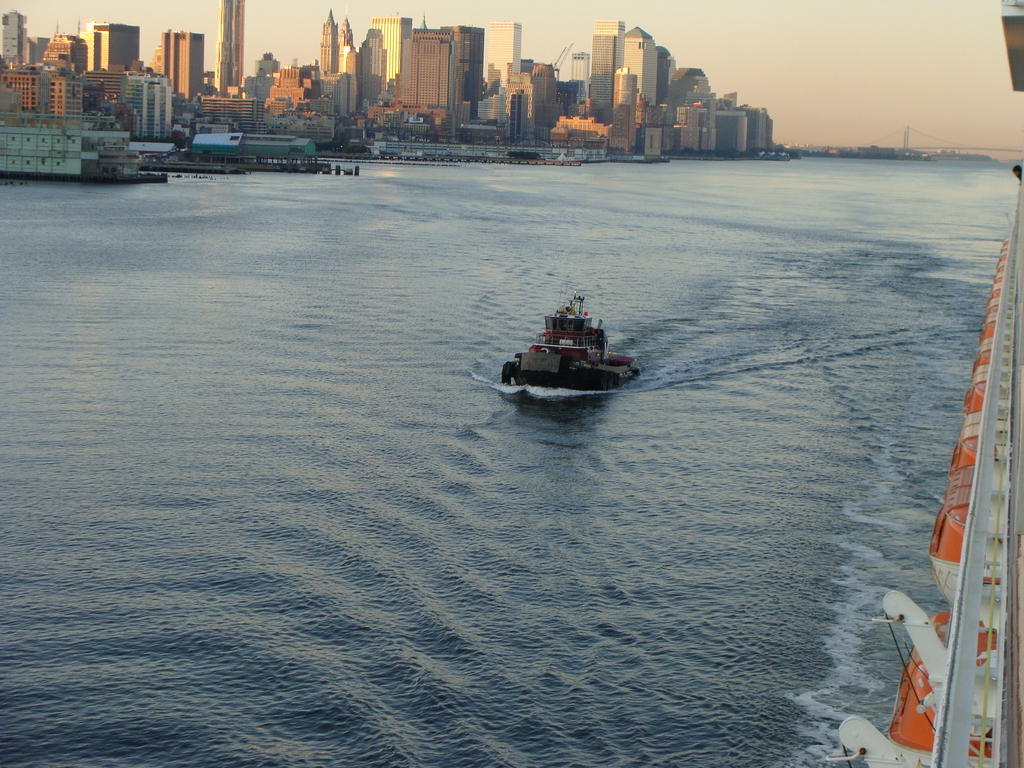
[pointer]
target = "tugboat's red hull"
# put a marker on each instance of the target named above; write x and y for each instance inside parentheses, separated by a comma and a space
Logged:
(550, 369)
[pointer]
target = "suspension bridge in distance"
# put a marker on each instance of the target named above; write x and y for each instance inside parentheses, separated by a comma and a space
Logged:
(912, 133)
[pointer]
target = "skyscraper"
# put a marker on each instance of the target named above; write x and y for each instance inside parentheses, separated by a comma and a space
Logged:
(329, 45)
(67, 51)
(183, 61)
(641, 57)
(605, 57)
(684, 87)
(347, 51)
(625, 87)
(580, 72)
(341, 89)
(37, 49)
(268, 65)
(372, 66)
(230, 45)
(395, 31)
(111, 45)
(345, 35)
(14, 42)
(432, 67)
(468, 46)
(622, 136)
(666, 68)
(519, 106)
(504, 53)
(149, 96)
(546, 109)
(759, 128)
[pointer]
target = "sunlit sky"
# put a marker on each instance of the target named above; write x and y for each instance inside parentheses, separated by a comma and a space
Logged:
(829, 72)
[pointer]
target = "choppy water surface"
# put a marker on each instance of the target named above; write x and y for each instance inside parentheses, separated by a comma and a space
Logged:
(264, 503)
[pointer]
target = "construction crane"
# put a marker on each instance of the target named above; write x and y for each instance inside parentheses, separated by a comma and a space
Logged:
(560, 59)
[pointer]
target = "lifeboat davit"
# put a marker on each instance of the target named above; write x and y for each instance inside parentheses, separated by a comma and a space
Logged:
(913, 720)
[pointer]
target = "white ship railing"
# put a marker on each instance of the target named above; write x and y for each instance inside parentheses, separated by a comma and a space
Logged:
(977, 677)
(979, 720)
(586, 342)
(972, 697)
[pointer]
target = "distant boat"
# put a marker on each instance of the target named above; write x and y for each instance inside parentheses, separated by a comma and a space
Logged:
(570, 353)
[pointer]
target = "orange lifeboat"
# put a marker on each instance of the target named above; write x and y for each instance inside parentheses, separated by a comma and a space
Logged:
(947, 540)
(913, 723)
(984, 358)
(981, 371)
(975, 397)
(913, 720)
(966, 452)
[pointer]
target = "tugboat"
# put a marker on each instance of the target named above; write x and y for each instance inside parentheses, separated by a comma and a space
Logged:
(571, 353)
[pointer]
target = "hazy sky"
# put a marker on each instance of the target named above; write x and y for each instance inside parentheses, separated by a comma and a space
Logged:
(829, 72)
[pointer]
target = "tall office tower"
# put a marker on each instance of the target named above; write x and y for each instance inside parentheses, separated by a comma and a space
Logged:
(149, 96)
(37, 49)
(14, 42)
(329, 47)
(297, 84)
(546, 109)
(372, 66)
(641, 57)
(67, 51)
(268, 65)
(183, 61)
(625, 87)
(759, 128)
(690, 80)
(685, 87)
(111, 45)
(348, 54)
(395, 32)
(580, 72)
(504, 53)
(605, 57)
(432, 68)
(666, 68)
(468, 45)
(66, 91)
(519, 106)
(230, 45)
(345, 35)
(730, 130)
(341, 89)
(622, 135)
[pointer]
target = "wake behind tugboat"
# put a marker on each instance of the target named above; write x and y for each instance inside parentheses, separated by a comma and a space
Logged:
(571, 353)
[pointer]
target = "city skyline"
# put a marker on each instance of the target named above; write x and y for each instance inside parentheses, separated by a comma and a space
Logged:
(843, 76)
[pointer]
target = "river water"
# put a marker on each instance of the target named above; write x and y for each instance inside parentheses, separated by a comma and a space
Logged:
(265, 503)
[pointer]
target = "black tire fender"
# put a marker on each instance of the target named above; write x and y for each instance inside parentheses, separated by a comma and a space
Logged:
(508, 372)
